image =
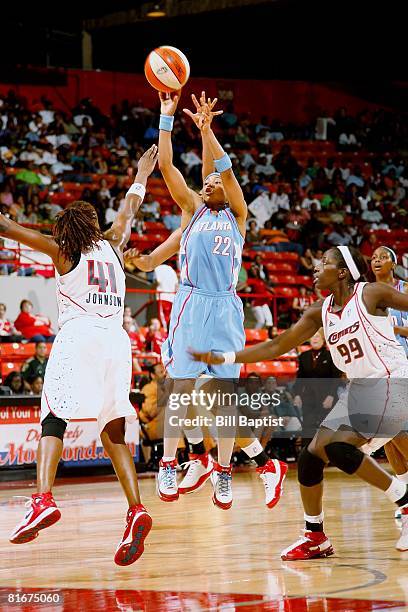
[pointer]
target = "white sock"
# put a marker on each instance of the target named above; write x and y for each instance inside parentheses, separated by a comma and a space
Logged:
(314, 519)
(396, 490)
(166, 459)
(253, 449)
(195, 435)
(403, 477)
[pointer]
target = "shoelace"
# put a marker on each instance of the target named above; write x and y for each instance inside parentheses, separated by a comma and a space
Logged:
(193, 463)
(224, 480)
(169, 477)
(28, 499)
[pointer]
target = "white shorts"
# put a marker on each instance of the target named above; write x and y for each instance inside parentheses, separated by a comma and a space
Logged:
(89, 372)
(376, 408)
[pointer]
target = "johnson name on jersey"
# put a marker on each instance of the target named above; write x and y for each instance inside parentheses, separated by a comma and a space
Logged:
(94, 287)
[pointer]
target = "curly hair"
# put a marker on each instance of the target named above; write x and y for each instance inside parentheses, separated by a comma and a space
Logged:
(75, 230)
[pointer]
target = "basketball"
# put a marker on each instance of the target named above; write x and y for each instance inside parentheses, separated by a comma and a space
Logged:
(167, 69)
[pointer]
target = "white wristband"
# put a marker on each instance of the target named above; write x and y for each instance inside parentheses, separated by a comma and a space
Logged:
(137, 189)
(229, 358)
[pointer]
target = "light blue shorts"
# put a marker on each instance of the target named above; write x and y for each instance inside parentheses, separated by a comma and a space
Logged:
(204, 321)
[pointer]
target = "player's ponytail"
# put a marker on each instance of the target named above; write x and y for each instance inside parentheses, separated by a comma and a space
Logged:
(75, 230)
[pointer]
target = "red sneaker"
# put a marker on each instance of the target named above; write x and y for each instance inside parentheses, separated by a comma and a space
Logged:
(138, 525)
(198, 472)
(42, 513)
(313, 545)
(273, 474)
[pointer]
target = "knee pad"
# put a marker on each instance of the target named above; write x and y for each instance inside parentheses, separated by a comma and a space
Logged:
(345, 456)
(310, 469)
(53, 426)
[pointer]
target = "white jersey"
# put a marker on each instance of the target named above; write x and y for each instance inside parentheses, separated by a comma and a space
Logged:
(362, 345)
(94, 287)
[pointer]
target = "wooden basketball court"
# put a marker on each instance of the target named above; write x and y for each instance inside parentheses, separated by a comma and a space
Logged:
(199, 557)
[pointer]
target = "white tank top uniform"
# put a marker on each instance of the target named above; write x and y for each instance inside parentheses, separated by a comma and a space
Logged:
(364, 346)
(89, 371)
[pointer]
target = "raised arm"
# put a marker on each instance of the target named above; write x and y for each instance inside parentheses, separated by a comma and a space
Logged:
(307, 325)
(185, 197)
(162, 253)
(232, 188)
(31, 238)
(120, 231)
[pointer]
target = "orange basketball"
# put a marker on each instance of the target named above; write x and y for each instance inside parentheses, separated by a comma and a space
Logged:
(167, 69)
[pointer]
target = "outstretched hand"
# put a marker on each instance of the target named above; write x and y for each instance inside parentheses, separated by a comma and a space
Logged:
(209, 357)
(168, 102)
(204, 111)
(148, 160)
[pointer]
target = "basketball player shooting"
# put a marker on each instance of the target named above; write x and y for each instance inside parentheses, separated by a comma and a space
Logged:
(361, 339)
(206, 304)
(90, 362)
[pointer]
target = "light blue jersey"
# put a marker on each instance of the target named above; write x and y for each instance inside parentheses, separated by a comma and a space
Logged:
(211, 251)
(207, 314)
(400, 318)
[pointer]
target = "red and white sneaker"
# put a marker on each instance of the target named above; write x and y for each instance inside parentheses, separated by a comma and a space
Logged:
(221, 480)
(273, 474)
(42, 513)
(313, 545)
(167, 481)
(138, 525)
(198, 472)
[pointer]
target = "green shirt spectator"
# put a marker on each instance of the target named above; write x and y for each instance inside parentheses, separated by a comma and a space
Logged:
(35, 366)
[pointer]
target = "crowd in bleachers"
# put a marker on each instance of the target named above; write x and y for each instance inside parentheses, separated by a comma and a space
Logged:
(337, 180)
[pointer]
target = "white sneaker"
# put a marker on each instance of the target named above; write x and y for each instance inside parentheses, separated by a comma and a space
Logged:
(221, 480)
(199, 470)
(402, 543)
(273, 474)
(167, 481)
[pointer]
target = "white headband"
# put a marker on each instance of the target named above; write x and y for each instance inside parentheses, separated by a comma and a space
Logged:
(348, 258)
(212, 174)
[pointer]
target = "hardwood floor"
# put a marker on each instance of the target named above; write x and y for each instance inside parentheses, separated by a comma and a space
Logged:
(203, 557)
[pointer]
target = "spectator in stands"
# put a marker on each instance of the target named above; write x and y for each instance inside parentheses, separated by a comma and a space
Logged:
(173, 221)
(14, 381)
(127, 312)
(260, 304)
(35, 366)
(35, 328)
(136, 339)
(339, 236)
(155, 336)
(301, 303)
(150, 208)
(280, 199)
(355, 178)
(368, 246)
(152, 411)
(372, 215)
(8, 332)
(286, 164)
(306, 262)
(37, 385)
(193, 164)
(166, 282)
